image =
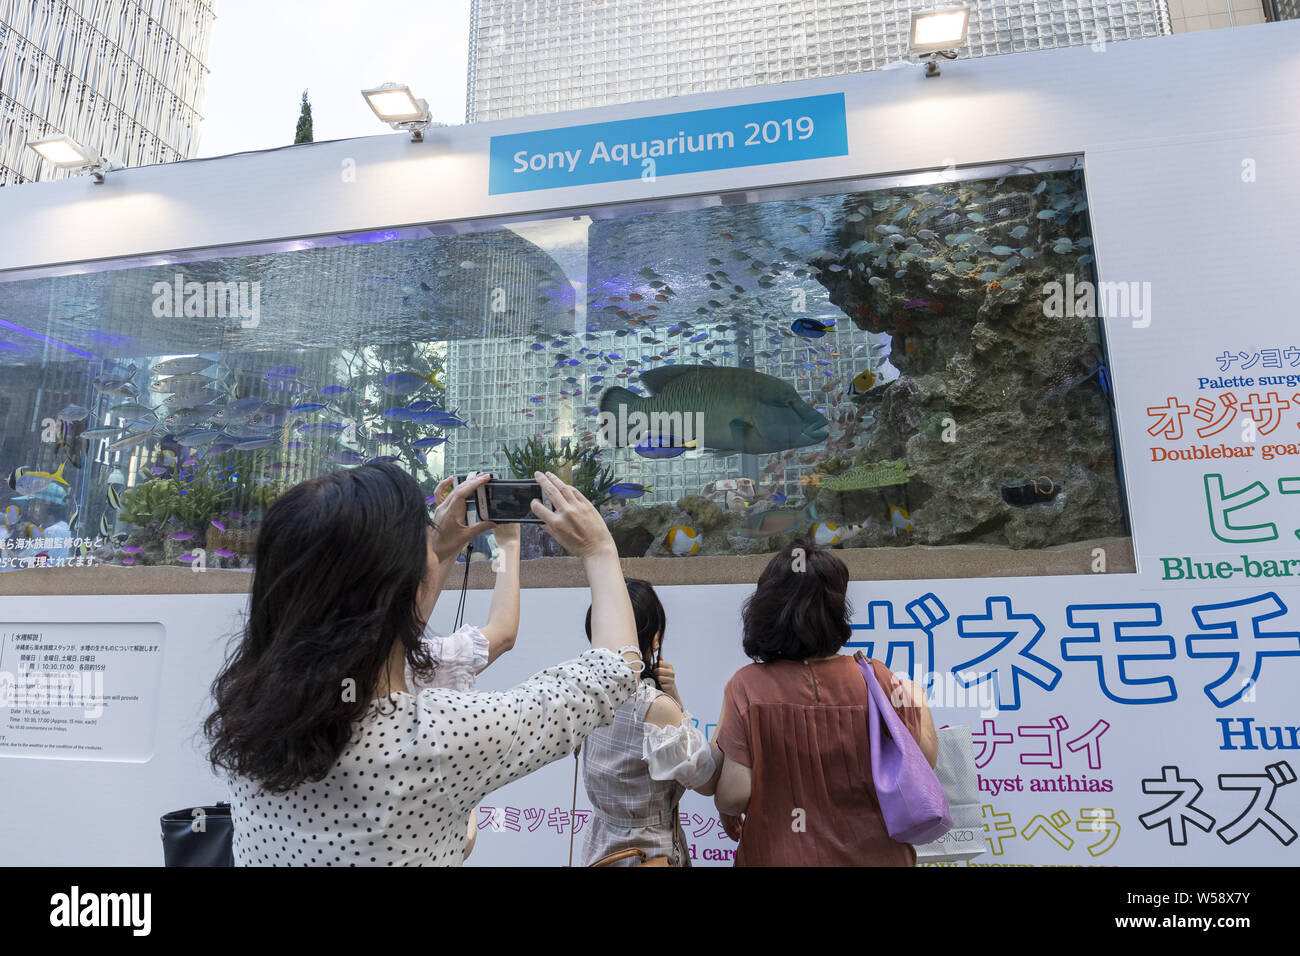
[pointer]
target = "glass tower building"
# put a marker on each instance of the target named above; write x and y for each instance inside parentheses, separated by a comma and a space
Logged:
(543, 56)
(123, 77)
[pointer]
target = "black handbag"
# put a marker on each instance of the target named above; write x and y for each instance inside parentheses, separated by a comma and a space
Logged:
(199, 836)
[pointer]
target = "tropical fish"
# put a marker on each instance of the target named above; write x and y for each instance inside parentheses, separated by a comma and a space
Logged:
(444, 419)
(308, 407)
(253, 444)
(73, 414)
(826, 532)
(346, 456)
(778, 521)
(662, 448)
(115, 497)
(218, 525)
(432, 441)
(30, 481)
(182, 383)
(132, 549)
(809, 328)
(1057, 382)
(130, 440)
(105, 528)
(121, 387)
(682, 540)
(899, 519)
(98, 434)
(629, 489)
(334, 390)
(12, 514)
(183, 365)
(744, 411)
(403, 383)
(863, 381)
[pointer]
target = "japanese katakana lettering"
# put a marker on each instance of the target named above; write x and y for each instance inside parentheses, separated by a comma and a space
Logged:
(1052, 826)
(986, 742)
(1222, 503)
(997, 828)
(1266, 412)
(1051, 732)
(1016, 635)
(1218, 419)
(1180, 809)
(1113, 647)
(1241, 641)
(1169, 419)
(1099, 820)
(1090, 740)
(1264, 786)
(917, 638)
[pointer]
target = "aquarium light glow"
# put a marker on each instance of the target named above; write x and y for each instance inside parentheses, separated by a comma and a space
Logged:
(45, 338)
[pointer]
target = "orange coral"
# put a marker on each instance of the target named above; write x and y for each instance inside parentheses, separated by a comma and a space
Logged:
(995, 285)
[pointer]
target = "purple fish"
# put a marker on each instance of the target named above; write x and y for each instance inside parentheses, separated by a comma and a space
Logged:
(218, 525)
(187, 558)
(182, 536)
(916, 304)
(234, 516)
(128, 560)
(224, 553)
(131, 549)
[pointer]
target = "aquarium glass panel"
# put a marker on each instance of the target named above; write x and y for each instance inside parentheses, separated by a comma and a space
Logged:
(868, 365)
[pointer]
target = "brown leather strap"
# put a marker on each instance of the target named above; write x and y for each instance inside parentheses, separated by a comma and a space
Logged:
(619, 855)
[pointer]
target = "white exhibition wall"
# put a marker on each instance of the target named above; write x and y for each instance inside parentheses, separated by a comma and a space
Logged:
(1189, 144)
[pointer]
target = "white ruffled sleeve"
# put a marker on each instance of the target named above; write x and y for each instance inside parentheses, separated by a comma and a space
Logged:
(678, 753)
(460, 656)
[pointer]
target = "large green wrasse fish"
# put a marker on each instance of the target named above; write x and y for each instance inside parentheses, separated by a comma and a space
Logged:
(743, 410)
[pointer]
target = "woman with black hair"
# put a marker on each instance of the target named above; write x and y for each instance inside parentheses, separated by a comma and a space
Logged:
(793, 730)
(332, 761)
(637, 767)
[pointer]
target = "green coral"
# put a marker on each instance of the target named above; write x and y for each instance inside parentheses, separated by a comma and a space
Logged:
(580, 464)
(933, 426)
(879, 474)
(151, 503)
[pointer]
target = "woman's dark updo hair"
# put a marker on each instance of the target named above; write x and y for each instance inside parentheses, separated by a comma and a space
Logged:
(800, 609)
(340, 562)
(650, 620)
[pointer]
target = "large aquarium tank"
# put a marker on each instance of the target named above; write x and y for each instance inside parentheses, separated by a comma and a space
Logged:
(873, 365)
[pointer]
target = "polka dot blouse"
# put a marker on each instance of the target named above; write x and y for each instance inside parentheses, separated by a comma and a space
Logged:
(402, 792)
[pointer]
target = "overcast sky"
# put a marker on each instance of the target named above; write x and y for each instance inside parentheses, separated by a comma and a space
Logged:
(264, 54)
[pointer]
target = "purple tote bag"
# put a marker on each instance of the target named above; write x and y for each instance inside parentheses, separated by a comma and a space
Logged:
(911, 798)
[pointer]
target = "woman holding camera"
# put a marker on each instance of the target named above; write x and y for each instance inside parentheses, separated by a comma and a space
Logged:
(797, 757)
(333, 762)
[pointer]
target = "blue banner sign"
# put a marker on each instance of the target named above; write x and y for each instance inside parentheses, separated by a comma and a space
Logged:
(779, 131)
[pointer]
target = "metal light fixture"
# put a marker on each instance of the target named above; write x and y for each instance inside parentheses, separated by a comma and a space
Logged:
(64, 152)
(395, 105)
(938, 33)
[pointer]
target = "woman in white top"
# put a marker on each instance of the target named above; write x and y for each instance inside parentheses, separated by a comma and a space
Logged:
(637, 767)
(459, 657)
(333, 762)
